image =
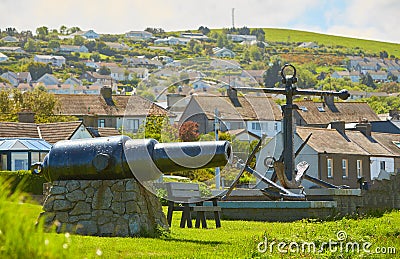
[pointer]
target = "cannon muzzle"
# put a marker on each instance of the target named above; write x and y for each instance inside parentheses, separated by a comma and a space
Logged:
(120, 157)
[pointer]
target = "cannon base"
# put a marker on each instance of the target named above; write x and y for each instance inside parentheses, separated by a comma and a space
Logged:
(103, 208)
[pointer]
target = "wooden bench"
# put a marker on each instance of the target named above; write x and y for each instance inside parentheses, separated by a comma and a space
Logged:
(186, 197)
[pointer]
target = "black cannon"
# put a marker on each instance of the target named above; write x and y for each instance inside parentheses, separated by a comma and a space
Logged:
(121, 157)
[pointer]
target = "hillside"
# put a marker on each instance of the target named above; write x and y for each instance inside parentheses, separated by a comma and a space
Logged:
(330, 41)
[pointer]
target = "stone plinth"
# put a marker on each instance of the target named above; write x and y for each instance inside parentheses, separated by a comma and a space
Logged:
(103, 208)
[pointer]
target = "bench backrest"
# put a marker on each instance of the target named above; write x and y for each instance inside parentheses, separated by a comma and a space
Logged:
(183, 192)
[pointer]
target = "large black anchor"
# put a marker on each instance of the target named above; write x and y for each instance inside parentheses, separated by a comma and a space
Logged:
(289, 175)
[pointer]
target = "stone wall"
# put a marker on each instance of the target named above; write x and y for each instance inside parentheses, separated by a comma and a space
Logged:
(103, 208)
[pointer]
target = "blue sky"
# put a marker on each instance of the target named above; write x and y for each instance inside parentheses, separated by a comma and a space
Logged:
(367, 19)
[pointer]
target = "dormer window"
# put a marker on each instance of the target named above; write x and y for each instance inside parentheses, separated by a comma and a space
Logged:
(321, 109)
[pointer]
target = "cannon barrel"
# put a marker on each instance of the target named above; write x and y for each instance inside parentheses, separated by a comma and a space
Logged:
(120, 157)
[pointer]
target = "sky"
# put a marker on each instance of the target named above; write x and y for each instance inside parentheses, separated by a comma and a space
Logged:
(365, 19)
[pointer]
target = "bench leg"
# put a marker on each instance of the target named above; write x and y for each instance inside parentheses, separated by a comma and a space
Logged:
(201, 217)
(170, 210)
(216, 215)
(186, 217)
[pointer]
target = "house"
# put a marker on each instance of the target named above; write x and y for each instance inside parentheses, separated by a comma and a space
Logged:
(378, 76)
(172, 41)
(395, 74)
(24, 87)
(257, 75)
(89, 35)
(201, 85)
(161, 48)
(339, 156)
(259, 115)
(17, 78)
(320, 114)
(224, 64)
(243, 135)
(19, 153)
(96, 77)
(73, 81)
(365, 66)
(48, 79)
(194, 36)
(122, 74)
(110, 111)
(142, 62)
(391, 65)
(139, 35)
(240, 38)
(50, 132)
(103, 132)
(9, 38)
(118, 46)
(308, 45)
(3, 57)
(353, 61)
(53, 60)
(354, 76)
(223, 52)
(92, 64)
(72, 48)
(354, 95)
(12, 49)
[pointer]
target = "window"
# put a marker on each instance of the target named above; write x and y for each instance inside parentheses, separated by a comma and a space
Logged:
(101, 123)
(19, 161)
(359, 169)
(383, 165)
(3, 162)
(345, 169)
(329, 164)
(276, 126)
(255, 126)
(35, 157)
(132, 124)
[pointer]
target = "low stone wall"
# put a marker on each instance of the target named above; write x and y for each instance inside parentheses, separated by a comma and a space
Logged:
(103, 208)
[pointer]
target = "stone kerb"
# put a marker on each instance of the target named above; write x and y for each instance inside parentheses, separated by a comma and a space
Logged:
(103, 208)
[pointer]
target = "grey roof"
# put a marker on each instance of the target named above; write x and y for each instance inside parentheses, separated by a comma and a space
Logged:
(24, 144)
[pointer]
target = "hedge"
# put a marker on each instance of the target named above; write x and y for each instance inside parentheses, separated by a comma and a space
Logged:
(24, 180)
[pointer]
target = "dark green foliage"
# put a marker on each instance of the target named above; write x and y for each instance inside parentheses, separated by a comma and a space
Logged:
(38, 69)
(25, 181)
(272, 75)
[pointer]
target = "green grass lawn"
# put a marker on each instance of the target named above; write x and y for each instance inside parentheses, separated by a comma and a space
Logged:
(236, 239)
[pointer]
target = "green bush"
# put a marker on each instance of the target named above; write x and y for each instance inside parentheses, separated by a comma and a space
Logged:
(25, 180)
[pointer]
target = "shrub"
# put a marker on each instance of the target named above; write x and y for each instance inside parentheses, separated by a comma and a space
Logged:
(33, 184)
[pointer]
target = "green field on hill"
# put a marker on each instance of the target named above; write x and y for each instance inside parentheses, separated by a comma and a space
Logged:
(369, 46)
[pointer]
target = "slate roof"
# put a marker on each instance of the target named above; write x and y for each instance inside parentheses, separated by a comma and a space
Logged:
(71, 104)
(50, 132)
(344, 111)
(351, 142)
(251, 107)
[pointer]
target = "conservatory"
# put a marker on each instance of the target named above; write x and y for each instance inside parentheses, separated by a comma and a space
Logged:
(19, 153)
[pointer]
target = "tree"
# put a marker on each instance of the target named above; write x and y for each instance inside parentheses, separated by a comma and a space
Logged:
(272, 75)
(42, 103)
(189, 131)
(31, 46)
(158, 128)
(255, 53)
(259, 33)
(95, 57)
(367, 80)
(79, 40)
(54, 44)
(11, 31)
(38, 69)
(42, 32)
(204, 30)
(63, 29)
(73, 30)
(103, 70)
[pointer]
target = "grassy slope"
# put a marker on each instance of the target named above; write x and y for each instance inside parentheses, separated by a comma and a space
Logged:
(285, 35)
(236, 239)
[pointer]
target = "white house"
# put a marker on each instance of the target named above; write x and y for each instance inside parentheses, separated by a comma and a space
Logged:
(90, 34)
(240, 38)
(3, 57)
(139, 35)
(53, 60)
(12, 49)
(172, 41)
(72, 48)
(9, 39)
(223, 52)
(309, 45)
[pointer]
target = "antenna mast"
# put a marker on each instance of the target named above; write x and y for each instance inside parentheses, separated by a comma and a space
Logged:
(233, 18)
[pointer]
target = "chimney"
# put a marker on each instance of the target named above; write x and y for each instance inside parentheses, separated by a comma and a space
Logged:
(26, 117)
(106, 92)
(365, 128)
(232, 94)
(339, 126)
